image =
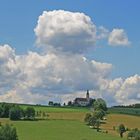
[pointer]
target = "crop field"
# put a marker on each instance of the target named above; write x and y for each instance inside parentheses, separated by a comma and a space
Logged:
(129, 111)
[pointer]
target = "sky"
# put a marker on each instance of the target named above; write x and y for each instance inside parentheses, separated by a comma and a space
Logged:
(56, 50)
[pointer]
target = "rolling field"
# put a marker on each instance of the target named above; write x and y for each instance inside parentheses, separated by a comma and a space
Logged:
(65, 123)
(71, 129)
(57, 130)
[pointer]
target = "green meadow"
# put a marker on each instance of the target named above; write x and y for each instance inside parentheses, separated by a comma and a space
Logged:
(57, 109)
(57, 130)
(67, 124)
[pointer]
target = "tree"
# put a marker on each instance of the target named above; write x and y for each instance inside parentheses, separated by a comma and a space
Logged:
(100, 104)
(30, 113)
(50, 103)
(56, 104)
(8, 133)
(15, 113)
(92, 121)
(97, 125)
(69, 103)
(121, 130)
(87, 118)
(1, 111)
(5, 107)
(99, 114)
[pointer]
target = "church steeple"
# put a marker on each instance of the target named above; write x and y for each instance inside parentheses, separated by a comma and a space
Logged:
(87, 95)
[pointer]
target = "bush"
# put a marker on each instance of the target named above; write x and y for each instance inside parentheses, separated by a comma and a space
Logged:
(121, 130)
(114, 128)
(137, 135)
(8, 133)
(30, 113)
(131, 135)
(15, 113)
(134, 134)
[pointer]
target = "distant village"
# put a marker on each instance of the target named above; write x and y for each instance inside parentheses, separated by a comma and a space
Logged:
(79, 102)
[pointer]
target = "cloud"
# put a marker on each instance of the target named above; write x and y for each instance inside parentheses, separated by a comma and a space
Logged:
(36, 78)
(129, 90)
(48, 74)
(65, 31)
(102, 33)
(73, 32)
(8, 69)
(118, 37)
(63, 72)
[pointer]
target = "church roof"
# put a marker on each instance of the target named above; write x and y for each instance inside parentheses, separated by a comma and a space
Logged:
(81, 99)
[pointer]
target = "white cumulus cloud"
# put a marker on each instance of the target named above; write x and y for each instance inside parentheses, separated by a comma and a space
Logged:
(118, 37)
(36, 78)
(63, 72)
(47, 75)
(65, 31)
(129, 90)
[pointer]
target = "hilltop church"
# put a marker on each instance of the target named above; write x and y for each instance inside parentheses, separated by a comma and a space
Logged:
(84, 101)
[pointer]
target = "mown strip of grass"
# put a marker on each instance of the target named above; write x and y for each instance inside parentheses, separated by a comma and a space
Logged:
(50, 109)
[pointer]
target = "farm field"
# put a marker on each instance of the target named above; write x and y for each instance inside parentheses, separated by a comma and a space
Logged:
(115, 119)
(57, 130)
(57, 109)
(129, 111)
(66, 109)
(68, 123)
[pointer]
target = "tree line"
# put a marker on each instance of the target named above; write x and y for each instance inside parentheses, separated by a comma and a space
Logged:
(15, 112)
(128, 106)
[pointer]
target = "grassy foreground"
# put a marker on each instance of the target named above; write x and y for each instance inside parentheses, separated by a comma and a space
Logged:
(58, 130)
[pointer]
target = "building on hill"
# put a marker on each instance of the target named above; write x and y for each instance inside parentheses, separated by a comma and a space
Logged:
(83, 101)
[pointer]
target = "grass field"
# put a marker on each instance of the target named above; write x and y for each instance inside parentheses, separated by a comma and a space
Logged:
(57, 130)
(66, 109)
(57, 109)
(66, 123)
(71, 129)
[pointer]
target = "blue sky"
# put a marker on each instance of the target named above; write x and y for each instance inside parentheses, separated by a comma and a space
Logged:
(18, 19)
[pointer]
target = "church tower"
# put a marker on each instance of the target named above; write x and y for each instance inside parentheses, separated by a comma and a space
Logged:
(87, 95)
